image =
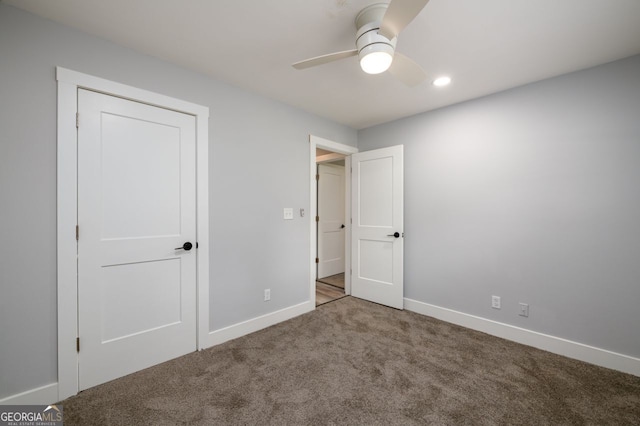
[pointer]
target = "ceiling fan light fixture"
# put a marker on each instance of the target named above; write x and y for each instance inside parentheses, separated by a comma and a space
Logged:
(376, 58)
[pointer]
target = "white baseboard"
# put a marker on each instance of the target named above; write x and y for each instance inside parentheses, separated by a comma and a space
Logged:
(243, 328)
(557, 345)
(44, 395)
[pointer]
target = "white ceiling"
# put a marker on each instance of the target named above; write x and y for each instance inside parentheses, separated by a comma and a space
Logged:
(484, 45)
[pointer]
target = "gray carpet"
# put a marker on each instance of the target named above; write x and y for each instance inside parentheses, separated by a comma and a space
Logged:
(354, 362)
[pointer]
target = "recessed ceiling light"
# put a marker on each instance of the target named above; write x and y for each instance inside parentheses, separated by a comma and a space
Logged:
(441, 81)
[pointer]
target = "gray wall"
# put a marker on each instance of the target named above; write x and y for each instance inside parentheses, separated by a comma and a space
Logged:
(532, 194)
(259, 155)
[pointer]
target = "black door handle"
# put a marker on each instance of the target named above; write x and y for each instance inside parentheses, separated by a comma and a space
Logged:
(186, 246)
(342, 226)
(395, 234)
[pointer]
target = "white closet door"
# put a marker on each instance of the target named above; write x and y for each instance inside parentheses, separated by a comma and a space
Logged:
(136, 216)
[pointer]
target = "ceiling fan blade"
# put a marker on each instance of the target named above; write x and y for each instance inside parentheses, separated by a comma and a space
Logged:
(324, 59)
(398, 15)
(407, 71)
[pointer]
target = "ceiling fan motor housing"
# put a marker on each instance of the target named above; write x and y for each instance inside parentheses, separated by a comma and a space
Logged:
(368, 37)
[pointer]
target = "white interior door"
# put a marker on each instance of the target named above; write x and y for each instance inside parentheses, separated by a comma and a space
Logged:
(377, 229)
(331, 220)
(136, 206)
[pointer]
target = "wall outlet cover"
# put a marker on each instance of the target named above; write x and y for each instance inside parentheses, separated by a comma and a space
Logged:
(495, 302)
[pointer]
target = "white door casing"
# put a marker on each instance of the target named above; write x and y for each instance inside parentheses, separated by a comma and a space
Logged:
(317, 142)
(69, 83)
(331, 223)
(136, 205)
(377, 213)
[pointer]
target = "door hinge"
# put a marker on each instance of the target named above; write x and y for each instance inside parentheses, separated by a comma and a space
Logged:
(317, 177)
(77, 233)
(77, 120)
(77, 344)
(317, 260)
(317, 218)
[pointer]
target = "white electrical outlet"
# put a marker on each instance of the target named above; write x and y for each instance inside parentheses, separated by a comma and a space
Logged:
(495, 302)
(524, 310)
(267, 294)
(288, 213)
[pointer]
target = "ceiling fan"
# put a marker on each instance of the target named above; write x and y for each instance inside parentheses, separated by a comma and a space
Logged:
(378, 26)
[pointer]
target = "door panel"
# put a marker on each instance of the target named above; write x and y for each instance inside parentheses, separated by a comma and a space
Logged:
(136, 205)
(152, 302)
(376, 261)
(330, 226)
(377, 208)
(376, 192)
(129, 183)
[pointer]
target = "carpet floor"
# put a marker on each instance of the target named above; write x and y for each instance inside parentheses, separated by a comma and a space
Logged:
(357, 363)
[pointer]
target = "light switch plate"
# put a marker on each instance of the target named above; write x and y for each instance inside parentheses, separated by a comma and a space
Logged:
(288, 213)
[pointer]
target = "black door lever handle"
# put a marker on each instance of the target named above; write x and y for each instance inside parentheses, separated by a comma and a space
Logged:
(186, 246)
(395, 234)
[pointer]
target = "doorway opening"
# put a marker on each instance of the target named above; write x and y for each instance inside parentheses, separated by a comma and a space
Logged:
(330, 227)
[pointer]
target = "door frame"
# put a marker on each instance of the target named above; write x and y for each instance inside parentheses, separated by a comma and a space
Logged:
(68, 83)
(347, 150)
